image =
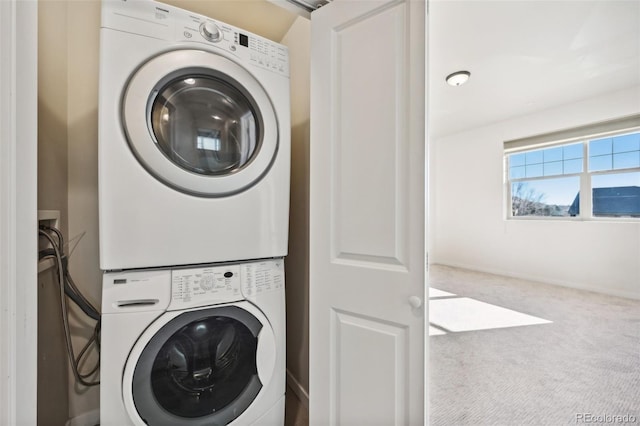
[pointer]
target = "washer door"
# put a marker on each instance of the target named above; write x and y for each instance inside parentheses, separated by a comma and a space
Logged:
(200, 123)
(202, 367)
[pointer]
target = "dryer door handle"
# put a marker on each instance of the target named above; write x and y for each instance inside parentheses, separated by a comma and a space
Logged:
(266, 355)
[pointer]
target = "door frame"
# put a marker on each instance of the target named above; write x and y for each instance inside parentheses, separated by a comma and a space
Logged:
(18, 211)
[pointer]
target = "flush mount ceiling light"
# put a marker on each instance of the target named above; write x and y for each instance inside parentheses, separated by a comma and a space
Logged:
(458, 78)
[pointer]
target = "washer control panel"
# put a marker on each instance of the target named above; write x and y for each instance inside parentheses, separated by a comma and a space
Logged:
(262, 277)
(204, 286)
(216, 284)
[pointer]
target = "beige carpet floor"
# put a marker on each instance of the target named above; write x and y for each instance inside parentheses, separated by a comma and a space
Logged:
(570, 357)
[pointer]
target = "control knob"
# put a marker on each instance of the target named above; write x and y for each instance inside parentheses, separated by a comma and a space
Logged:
(210, 31)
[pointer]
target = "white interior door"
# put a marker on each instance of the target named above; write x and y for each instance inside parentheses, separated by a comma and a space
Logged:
(367, 214)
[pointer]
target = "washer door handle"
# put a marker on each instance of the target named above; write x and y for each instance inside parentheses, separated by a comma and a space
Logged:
(266, 355)
(136, 303)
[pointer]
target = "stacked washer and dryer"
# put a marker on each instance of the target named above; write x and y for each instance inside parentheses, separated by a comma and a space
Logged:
(194, 159)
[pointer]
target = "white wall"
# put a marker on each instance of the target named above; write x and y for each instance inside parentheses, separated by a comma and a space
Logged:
(53, 374)
(68, 180)
(298, 40)
(83, 29)
(468, 227)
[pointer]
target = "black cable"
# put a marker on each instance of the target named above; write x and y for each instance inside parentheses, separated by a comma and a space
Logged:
(91, 310)
(69, 289)
(94, 340)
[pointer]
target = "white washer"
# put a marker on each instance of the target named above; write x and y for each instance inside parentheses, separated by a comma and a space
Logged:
(194, 139)
(196, 346)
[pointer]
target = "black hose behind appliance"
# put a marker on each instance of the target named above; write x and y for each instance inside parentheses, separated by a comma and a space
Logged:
(68, 289)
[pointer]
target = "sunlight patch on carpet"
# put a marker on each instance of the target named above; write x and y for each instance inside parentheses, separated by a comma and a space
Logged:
(434, 292)
(433, 331)
(466, 314)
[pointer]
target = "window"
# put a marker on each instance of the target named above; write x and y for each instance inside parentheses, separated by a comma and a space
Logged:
(547, 179)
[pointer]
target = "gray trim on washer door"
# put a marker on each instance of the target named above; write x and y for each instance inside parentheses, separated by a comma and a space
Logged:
(199, 369)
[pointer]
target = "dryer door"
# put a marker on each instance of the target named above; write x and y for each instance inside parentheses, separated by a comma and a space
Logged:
(200, 123)
(200, 367)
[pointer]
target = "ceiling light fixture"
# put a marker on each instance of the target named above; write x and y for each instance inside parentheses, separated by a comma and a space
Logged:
(458, 78)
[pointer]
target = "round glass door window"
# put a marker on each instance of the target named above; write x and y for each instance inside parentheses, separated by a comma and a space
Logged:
(199, 369)
(205, 125)
(207, 129)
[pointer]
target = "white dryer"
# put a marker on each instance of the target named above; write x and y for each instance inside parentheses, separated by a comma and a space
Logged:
(194, 139)
(194, 346)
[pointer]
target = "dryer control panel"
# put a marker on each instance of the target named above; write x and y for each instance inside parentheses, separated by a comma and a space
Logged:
(257, 50)
(166, 22)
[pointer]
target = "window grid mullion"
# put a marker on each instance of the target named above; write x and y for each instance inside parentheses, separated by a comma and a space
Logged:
(524, 179)
(506, 179)
(586, 193)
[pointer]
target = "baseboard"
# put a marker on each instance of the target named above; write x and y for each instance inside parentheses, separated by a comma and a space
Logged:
(90, 418)
(560, 283)
(297, 388)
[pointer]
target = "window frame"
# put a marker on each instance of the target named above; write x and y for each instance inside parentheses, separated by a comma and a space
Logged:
(583, 136)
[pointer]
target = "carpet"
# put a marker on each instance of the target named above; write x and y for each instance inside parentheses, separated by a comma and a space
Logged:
(579, 365)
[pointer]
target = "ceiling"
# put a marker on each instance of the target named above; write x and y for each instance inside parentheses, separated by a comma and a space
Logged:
(524, 55)
(527, 56)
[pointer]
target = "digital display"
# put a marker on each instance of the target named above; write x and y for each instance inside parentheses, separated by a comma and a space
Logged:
(244, 40)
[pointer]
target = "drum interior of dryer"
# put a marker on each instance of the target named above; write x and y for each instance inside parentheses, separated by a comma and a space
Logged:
(205, 124)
